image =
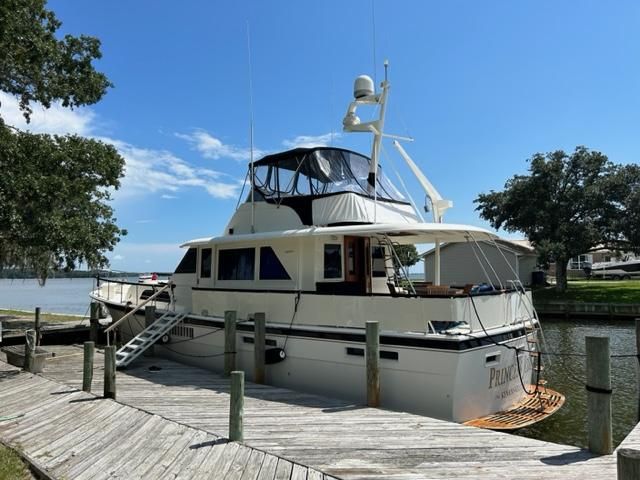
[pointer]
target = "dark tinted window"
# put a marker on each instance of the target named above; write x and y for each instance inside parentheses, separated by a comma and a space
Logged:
(270, 266)
(205, 263)
(188, 262)
(236, 264)
(332, 260)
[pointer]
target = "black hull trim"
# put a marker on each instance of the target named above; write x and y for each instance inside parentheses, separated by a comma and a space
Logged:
(386, 340)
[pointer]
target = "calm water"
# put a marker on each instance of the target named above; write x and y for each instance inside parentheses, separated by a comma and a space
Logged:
(567, 375)
(59, 295)
(564, 374)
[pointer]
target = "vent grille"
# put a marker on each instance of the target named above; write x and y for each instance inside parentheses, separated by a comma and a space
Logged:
(182, 331)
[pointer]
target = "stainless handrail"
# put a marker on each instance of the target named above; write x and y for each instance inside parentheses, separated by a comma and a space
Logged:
(138, 307)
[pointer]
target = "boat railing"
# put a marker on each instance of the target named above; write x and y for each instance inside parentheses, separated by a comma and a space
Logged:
(139, 306)
(123, 291)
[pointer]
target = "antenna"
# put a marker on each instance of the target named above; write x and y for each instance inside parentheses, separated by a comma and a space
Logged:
(253, 205)
(373, 27)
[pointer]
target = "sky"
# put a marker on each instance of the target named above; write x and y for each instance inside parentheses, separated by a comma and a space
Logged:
(480, 86)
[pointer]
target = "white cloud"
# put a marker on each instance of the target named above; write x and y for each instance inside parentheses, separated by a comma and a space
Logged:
(117, 257)
(212, 147)
(168, 197)
(147, 171)
(153, 171)
(307, 141)
(55, 120)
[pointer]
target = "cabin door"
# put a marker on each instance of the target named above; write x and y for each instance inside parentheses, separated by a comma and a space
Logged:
(357, 266)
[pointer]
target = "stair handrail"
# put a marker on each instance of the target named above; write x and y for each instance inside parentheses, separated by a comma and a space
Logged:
(138, 307)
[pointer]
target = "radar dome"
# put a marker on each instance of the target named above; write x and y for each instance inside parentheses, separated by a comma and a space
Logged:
(363, 86)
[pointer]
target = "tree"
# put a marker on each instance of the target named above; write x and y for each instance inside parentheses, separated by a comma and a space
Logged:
(36, 66)
(407, 254)
(569, 205)
(54, 190)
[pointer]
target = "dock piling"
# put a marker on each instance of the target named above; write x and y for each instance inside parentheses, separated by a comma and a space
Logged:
(149, 319)
(87, 366)
(259, 341)
(93, 322)
(628, 461)
(229, 342)
(373, 363)
(110, 372)
(29, 350)
(599, 395)
(236, 407)
(37, 326)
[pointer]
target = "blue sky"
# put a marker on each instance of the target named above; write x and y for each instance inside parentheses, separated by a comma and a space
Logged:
(481, 86)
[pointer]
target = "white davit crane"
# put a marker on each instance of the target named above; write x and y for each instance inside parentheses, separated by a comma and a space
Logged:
(439, 204)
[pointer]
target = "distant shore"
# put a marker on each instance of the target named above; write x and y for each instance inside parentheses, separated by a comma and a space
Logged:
(14, 274)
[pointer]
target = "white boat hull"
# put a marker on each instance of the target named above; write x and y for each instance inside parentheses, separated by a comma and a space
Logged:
(447, 383)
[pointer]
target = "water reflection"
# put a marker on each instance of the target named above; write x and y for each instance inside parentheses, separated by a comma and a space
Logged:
(566, 374)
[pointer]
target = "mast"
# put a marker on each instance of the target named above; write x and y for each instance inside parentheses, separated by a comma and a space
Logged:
(364, 94)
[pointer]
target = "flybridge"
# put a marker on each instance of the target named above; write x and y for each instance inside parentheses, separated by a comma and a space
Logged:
(318, 172)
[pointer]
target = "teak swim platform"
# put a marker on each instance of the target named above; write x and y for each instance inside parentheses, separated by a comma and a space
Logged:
(170, 421)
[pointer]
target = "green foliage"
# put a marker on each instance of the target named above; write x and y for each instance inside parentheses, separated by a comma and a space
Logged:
(408, 254)
(54, 190)
(11, 465)
(568, 205)
(36, 66)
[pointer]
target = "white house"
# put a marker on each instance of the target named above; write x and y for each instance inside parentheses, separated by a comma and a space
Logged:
(469, 262)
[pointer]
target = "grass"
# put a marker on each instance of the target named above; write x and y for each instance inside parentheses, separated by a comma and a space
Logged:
(593, 291)
(46, 317)
(11, 466)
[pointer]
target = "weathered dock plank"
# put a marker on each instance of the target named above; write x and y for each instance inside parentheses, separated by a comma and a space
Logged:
(297, 435)
(68, 433)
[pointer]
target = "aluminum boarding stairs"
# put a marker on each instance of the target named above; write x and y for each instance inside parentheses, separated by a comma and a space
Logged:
(137, 345)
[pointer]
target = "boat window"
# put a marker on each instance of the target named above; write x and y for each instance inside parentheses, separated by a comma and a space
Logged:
(332, 260)
(236, 264)
(379, 266)
(270, 266)
(188, 262)
(205, 263)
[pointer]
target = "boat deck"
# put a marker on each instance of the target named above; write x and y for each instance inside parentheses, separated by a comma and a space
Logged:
(326, 435)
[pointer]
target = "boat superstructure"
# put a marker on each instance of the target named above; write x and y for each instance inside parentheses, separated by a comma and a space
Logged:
(317, 247)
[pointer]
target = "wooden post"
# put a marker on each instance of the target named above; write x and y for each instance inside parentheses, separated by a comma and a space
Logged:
(29, 350)
(628, 464)
(87, 366)
(373, 364)
(37, 326)
(93, 322)
(236, 407)
(110, 372)
(599, 395)
(259, 341)
(149, 318)
(229, 342)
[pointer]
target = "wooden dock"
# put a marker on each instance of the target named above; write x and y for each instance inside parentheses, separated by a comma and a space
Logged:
(170, 421)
